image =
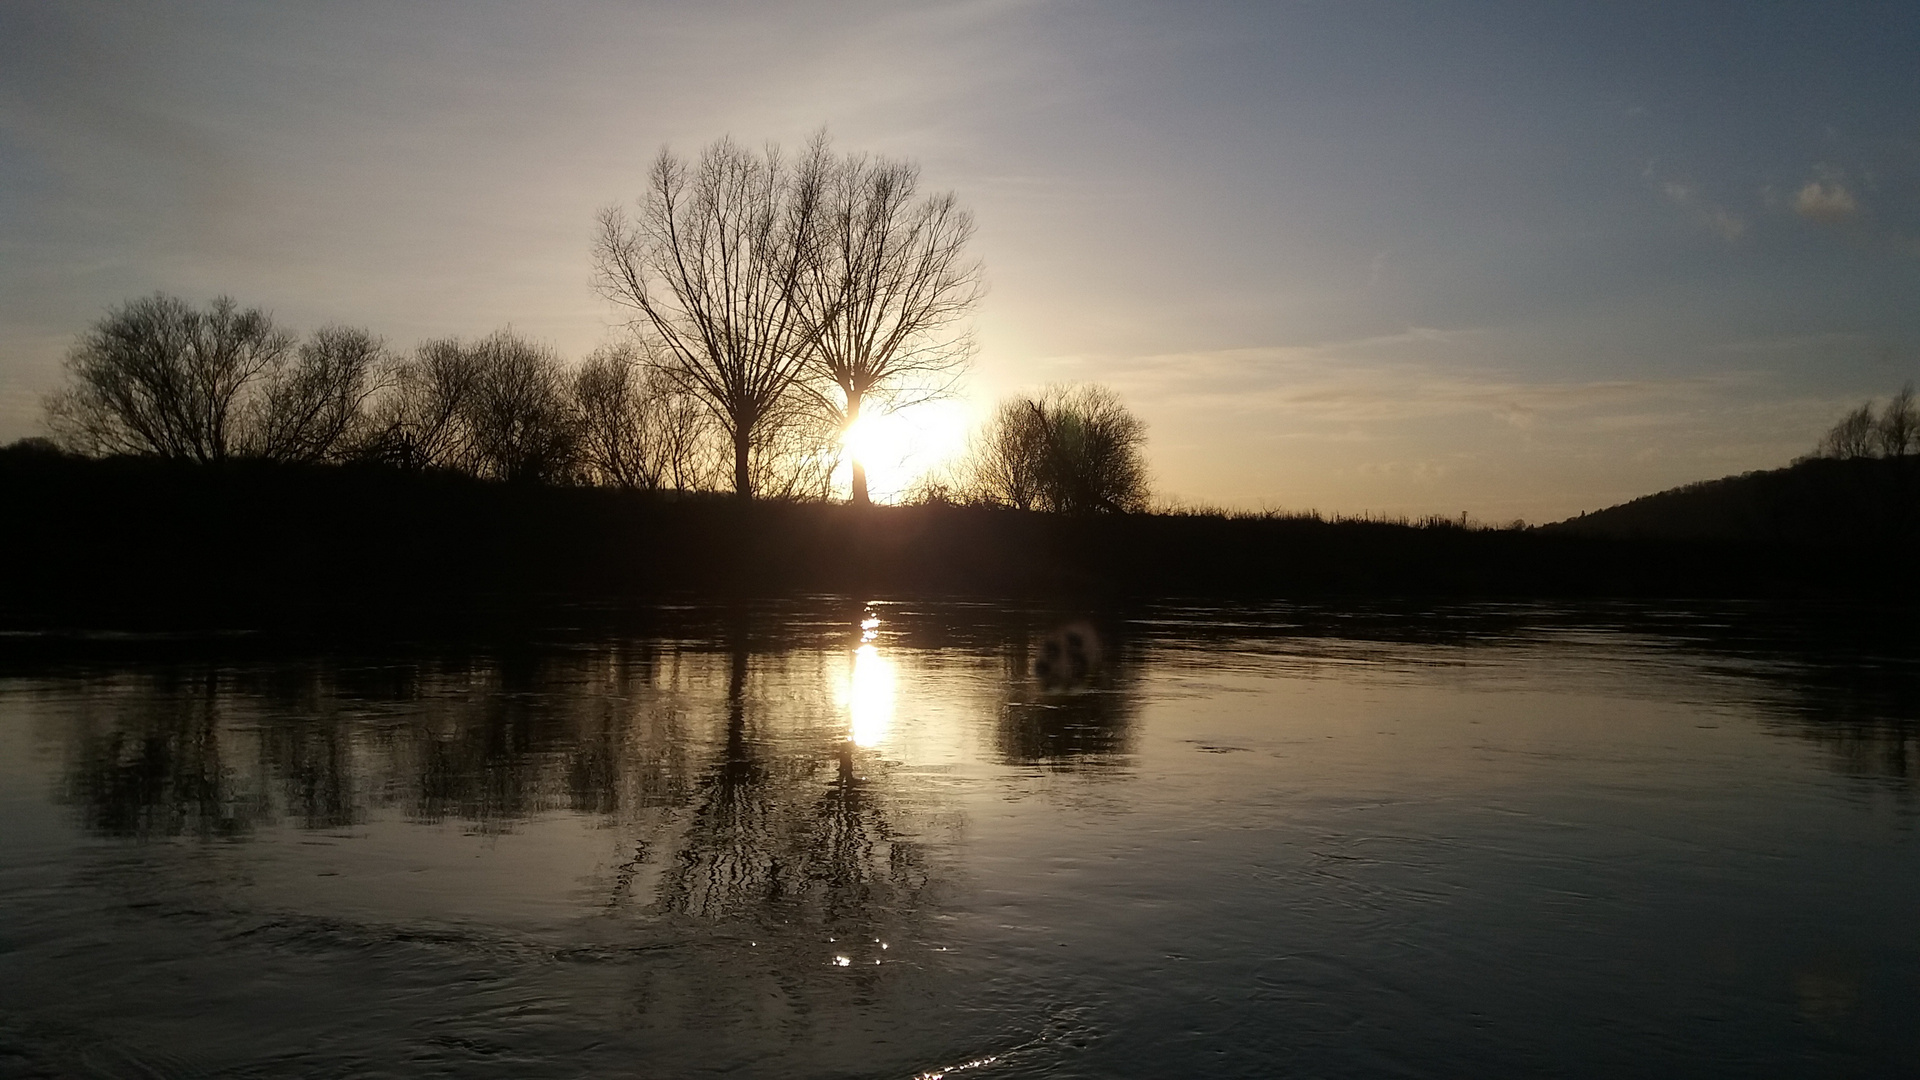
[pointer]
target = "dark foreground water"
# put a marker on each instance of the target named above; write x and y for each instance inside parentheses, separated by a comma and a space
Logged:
(869, 840)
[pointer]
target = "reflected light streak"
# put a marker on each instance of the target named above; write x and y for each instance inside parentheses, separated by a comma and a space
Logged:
(870, 695)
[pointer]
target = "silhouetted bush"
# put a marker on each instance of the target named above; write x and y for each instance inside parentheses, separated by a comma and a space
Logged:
(518, 418)
(1071, 449)
(496, 408)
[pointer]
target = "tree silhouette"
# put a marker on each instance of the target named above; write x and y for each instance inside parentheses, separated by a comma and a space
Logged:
(314, 408)
(518, 415)
(1852, 436)
(157, 376)
(1071, 449)
(710, 267)
(889, 277)
(497, 408)
(1898, 430)
(635, 429)
(1894, 433)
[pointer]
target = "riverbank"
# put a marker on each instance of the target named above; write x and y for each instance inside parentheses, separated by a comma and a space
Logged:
(148, 543)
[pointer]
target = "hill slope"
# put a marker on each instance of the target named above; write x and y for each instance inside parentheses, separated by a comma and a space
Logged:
(1820, 502)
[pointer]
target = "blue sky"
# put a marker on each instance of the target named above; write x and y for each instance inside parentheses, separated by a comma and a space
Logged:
(1517, 260)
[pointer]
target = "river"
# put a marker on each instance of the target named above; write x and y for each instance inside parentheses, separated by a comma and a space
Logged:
(889, 839)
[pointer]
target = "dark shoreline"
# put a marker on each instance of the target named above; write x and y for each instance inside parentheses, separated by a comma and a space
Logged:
(148, 545)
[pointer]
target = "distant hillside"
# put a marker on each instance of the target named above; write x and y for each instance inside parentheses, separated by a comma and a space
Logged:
(1822, 502)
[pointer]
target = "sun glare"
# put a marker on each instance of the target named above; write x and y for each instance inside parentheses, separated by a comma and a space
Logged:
(899, 448)
(870, 696)
(869, 688)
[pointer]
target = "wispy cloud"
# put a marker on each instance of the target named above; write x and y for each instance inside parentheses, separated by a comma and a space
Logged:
(1717, 219)
(1791, 343)
(1826, 202)
(1361, 382)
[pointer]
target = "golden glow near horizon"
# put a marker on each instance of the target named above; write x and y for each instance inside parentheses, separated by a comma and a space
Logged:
(898, 448)
(1347, 292)
(869, 690)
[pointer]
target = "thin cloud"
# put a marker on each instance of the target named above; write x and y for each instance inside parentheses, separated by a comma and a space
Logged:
(1717, 219)
(1729, 226)
(1826, 202)
(1335, 384)
(1798, 343)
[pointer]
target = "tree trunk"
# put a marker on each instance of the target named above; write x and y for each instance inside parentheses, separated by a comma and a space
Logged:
(859, 468)
(859, 483)
(742, 478)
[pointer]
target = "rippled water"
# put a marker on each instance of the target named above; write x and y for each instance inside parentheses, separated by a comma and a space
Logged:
(900, 840)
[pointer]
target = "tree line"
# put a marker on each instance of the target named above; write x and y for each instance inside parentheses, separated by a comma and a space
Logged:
(1893, 432)
(771, 302)
(159, 377)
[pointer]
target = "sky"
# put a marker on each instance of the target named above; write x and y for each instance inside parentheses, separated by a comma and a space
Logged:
(1512, 260)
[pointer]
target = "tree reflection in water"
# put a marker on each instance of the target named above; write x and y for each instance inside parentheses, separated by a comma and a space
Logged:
(1867, 716)
(785, 808)
(152, 765)
(801, 825)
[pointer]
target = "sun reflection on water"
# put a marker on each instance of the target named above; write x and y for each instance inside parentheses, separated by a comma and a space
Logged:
(869, 693)
(870, 696)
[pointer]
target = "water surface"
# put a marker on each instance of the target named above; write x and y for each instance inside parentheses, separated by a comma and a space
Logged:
(900, 840)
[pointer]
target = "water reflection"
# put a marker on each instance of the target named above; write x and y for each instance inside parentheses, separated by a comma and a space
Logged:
(730, 848)
(1866, 715)
(869, 689)
(154, 767)
(748, 784)
(1070, 699)
(792, 817)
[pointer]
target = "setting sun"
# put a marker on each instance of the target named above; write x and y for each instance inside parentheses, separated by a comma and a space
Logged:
(898, 448)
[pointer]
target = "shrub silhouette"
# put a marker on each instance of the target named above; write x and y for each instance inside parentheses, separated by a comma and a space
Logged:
(1071, 449)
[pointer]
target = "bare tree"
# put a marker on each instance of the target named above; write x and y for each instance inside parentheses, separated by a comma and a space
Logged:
(1007, 460)
(683, 437)
(1897, 432)
(157, 376)
(420, 421)
(1852, 437)
(610, 416)
(796, 451)
(635, 429)
(710, 267)
(1071, 449)
(311, 409)
(1094, 459)
(517, 416)
(497, 408)
(889, 279)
